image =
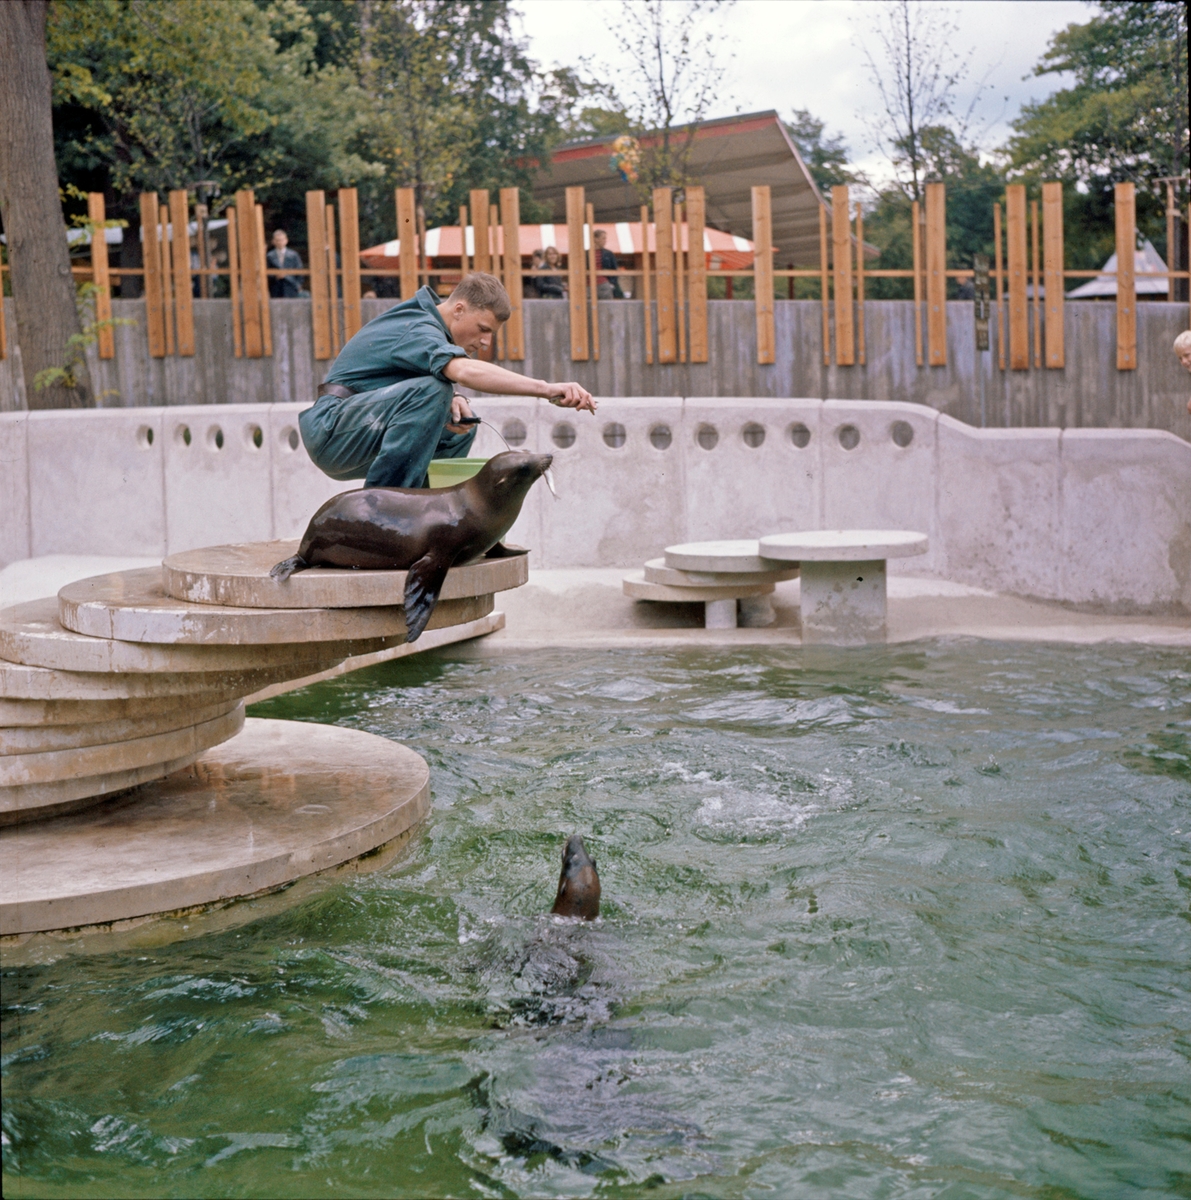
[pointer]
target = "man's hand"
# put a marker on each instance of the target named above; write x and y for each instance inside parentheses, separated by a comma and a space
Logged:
(459, 408)
(571, 395)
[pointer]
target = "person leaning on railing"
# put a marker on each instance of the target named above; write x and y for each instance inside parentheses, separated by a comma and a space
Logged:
(1182, 347)
(388, 404)
(550, 287)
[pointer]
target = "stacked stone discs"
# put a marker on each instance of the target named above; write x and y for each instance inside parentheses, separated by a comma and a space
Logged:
(717, 573)
(119, 681)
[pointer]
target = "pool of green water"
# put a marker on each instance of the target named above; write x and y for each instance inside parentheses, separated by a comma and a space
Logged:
(906, 921)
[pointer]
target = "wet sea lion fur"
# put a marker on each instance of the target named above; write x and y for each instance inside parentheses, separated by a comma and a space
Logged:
(423, 531)
(579, 883)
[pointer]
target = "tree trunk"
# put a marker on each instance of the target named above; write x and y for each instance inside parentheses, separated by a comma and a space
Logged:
(39, 259)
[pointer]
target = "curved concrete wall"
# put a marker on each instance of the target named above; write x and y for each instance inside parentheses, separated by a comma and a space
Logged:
(1086, 516)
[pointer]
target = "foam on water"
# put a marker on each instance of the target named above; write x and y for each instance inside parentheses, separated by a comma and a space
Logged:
(905, 921)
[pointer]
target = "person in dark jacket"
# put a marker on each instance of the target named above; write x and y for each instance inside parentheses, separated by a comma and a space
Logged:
(280, 258)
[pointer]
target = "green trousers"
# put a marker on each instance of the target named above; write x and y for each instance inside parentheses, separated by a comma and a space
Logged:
(386, 437)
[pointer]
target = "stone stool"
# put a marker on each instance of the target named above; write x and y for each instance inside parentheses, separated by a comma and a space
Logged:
(843, 579)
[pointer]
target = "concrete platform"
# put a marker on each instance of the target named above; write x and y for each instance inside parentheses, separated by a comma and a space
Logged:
(656, 571)
(638, 587)
(239, 576)
(132, 606)
(732, 556)
(281, 801)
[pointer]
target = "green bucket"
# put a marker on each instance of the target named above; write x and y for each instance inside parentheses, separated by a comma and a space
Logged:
(446, 472)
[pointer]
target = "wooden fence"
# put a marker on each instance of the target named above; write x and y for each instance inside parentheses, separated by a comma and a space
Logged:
(1028, 263)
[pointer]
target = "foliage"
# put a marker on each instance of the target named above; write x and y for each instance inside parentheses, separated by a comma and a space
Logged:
(67, 375)
(826, 157)
(1124, 118)
(675, 72)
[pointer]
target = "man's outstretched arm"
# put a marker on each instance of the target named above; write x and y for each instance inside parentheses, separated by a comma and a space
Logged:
(488, 377)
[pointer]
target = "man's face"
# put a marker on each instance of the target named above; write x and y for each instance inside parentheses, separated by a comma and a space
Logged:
(599, 237)
(1185, 358)
(472, 328)
(280, 240)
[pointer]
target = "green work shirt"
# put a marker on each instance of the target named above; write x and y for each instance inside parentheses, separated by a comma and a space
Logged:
(409, 341)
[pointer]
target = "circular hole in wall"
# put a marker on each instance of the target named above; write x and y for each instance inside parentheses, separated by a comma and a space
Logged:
(707, 437)
(660, 437)
(800, 435)
(753, 434)
(902, 433)
(289, 438)
(254, 436)
(563, 435)
(144, 437)
(513, 431)
(614, 435)
(215, 438)
(182, 435)
(849, 437)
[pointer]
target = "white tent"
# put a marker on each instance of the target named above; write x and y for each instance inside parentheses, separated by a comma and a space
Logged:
(1146, 260)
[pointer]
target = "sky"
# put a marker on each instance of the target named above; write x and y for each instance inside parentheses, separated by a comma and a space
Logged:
(793, 54)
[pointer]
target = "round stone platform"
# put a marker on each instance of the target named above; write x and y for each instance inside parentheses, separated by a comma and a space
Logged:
(656, 571)
(239, 576)
(132, 606)
(639, 588)
(280, 801)
(728, 556)
(843, 545)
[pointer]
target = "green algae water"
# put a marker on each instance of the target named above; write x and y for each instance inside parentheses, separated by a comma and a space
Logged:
(908, 921)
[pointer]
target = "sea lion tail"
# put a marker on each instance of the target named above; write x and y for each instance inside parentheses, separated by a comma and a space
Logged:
(283, 570)
(423, 582)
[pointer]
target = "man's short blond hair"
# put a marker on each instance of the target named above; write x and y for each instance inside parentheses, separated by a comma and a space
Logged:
(484, 291)
(1182, 344)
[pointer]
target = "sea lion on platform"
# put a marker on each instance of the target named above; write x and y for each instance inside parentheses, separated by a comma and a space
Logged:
(424, 531)
(578, 885)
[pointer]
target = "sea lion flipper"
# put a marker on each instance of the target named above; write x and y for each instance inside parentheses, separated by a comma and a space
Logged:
(504, 550)
(283, 570)
(423, 582)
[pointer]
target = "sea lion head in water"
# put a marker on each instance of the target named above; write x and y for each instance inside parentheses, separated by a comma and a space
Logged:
(423, 531)
(578, 885)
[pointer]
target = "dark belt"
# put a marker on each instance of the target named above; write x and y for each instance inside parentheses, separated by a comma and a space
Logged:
(335, 389)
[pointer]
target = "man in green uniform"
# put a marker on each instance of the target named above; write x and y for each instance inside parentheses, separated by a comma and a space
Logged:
(388, 404)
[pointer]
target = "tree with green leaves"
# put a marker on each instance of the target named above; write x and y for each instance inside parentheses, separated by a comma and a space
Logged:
(825, 157)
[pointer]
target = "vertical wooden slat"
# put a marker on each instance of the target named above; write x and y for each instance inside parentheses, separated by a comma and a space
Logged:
(510, 219)
(1015, 238)
(151, 256)
(201, 213)
(333, 279)
(424, 258)
(696, 220)
(997, 250)
(763, 273)
(577, 275)
(663, 221)
(262, 285)
(166, 250)
(316, 244)
(481, 258)
(1171, 264)
(233, 276)
(97, 215)
(646, 289)
(250, 297)
(936, 274)
(349, 246)
(407, 261)
(824, 285)
(1052, 265)
(1036, 283)
(679, 281)
(1125, 206)
(183, 298)
(496, 241)
(841, 261)
(915, 220)
(464, 222)
(3, 334)
(591, 281)
(860, 331)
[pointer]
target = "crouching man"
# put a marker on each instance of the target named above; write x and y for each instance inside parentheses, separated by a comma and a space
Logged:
(388, 404)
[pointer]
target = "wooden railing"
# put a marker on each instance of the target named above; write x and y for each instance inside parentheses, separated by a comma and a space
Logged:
(1028, 262)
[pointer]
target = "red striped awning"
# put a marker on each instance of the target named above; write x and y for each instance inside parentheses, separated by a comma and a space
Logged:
(724, 251)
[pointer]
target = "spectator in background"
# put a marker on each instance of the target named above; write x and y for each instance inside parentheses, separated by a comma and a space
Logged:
(551, 287)
(1182, 348)
(530, 284)
(281, 257)
(607, 286)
